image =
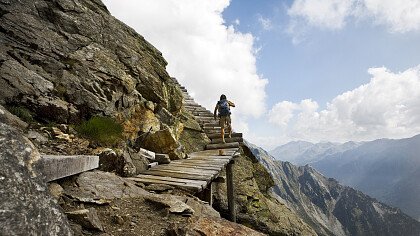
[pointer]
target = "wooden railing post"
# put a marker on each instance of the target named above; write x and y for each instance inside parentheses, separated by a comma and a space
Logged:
(230, 191)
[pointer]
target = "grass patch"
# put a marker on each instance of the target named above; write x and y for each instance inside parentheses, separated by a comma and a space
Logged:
(103, 130)
(22, 112)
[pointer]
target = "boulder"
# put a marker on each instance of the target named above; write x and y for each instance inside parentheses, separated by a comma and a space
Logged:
(162, 158)
(87, 218)
(98, 185)
(119, 161)
(175, 205)
(26, 206)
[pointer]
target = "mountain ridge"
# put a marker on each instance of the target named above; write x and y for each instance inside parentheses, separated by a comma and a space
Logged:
(330, 208)
(384, 168)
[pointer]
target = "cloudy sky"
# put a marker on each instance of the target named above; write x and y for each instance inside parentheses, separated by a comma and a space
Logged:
(315, 70)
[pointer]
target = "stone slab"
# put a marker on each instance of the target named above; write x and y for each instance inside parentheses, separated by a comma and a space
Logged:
(57, 167)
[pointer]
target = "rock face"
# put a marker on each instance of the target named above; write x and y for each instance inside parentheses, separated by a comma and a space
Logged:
(25, 206)
(330, 208)
(64, 61)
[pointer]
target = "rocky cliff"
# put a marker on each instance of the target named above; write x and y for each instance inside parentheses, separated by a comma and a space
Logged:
(68, 66)
(330, 208)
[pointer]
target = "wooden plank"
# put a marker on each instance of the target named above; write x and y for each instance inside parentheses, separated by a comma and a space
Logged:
(178, 180)
(201, 162)
(210, 157)
(228, 140)
(207, 178)
(222, 145)
(189, 170)
(210, 162)
(212, 136)
(203, 166)
(57, 166)
(215, 152)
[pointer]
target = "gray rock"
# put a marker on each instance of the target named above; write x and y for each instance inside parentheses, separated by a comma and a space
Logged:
(99, 185)
(26, 207)
(139, 160)
(162, 158)
(87, 218)
(159, 188)
(120, 163)
(174, 204)
(55, 190)
(37, 137)
(8, 118)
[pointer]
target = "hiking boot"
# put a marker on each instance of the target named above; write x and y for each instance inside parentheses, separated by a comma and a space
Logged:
(223, 140)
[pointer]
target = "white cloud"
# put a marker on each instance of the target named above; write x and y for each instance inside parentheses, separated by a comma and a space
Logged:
(387, 106)
(266, 23)
(206, 56)
(330, 14)
(398, 16)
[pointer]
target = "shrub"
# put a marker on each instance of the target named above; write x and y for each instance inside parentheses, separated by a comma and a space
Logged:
(103, 130)
(21, 112)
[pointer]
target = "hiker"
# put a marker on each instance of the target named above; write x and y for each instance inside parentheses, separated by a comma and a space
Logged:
(223, 107)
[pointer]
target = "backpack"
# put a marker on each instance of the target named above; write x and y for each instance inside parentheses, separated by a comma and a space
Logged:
(224, 109)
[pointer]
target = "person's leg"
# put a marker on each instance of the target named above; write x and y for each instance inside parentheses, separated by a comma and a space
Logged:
(229, 124)
(222, 123)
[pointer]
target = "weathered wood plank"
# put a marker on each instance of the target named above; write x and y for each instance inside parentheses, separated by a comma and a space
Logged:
(228, 140)
(210, 162)
(202, 166)
(57, 167)
(189, 170)
(215, 152)
(178, 180)
(202, 162)
(212, 136)
(212, 157)
(222, 145)
(207, 178)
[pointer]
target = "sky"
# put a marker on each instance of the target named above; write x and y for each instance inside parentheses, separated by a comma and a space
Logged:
(313, 70)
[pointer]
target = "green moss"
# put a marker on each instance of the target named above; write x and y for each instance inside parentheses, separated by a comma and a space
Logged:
(103, 130)
(21, 112)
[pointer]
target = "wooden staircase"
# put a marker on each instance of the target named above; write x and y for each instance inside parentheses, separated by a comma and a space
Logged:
(210, 126)
(197, 172)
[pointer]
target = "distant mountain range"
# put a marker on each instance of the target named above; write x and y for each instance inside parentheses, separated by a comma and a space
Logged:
(386, 169)
(331, 208)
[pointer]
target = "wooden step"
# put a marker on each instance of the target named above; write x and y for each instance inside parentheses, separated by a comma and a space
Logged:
(222, 146)
(213, 136)
(211, 124)
(192, 104)
(203, 113)
(210, 129)
(228, 140)
(195, 107)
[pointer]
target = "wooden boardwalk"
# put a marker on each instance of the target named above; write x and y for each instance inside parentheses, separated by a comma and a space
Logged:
(193, 174)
